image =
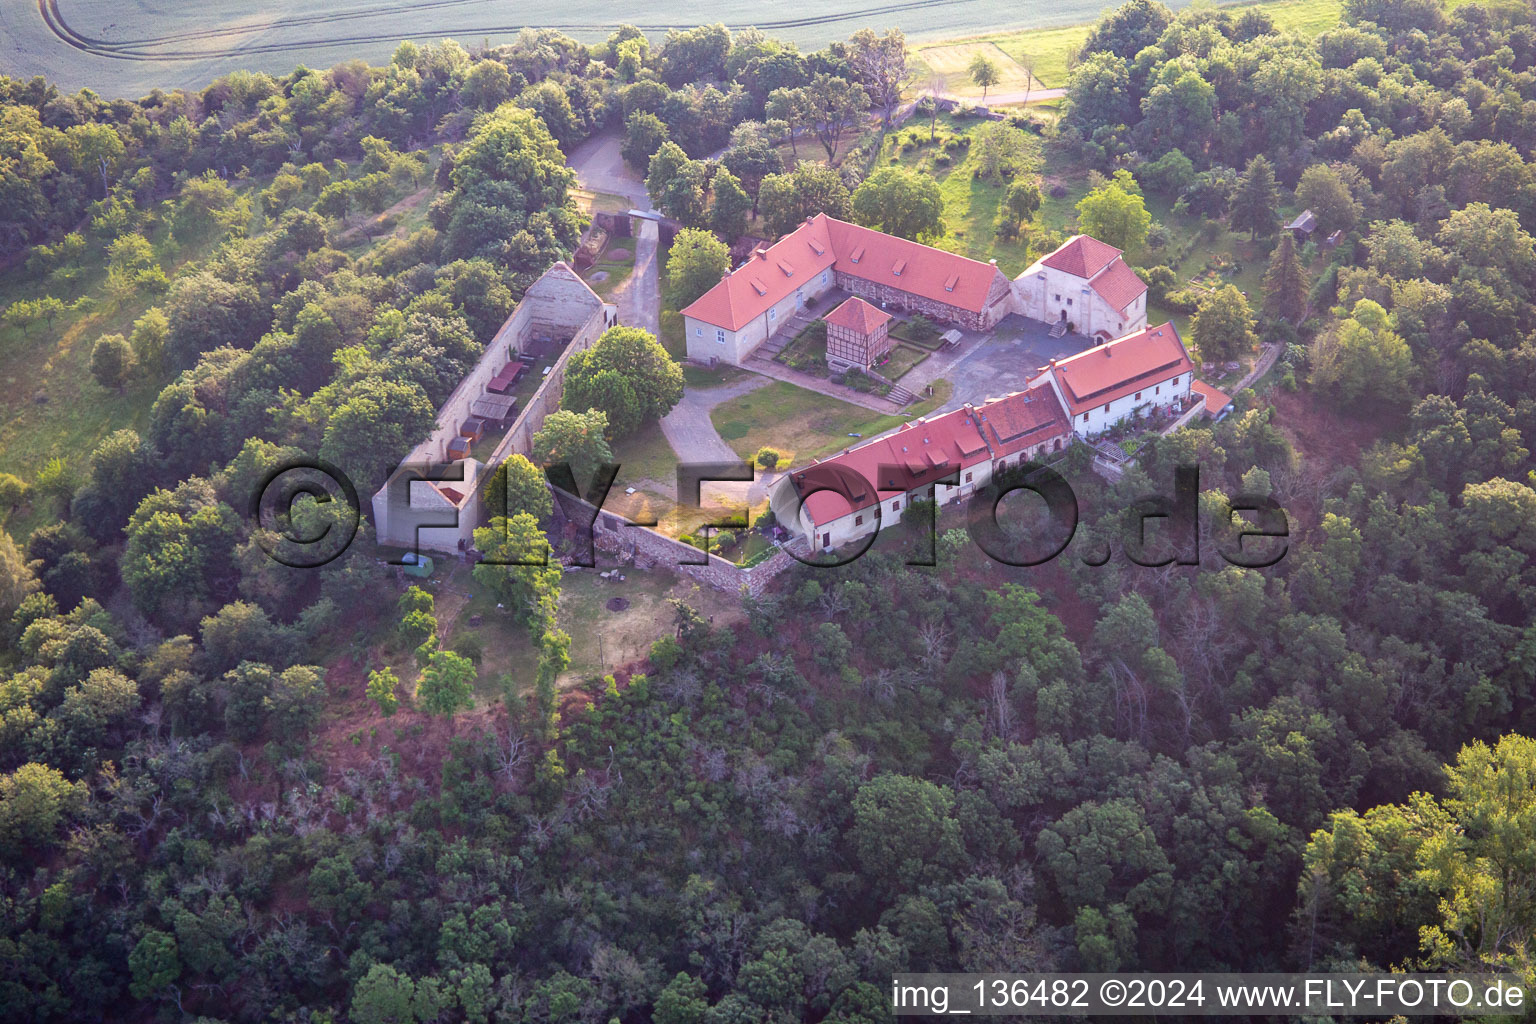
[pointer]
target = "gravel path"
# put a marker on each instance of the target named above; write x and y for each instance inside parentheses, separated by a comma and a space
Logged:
(639, 298)
(693, 436)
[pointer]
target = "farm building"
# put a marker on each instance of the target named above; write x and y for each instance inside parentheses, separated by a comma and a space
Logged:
(1086, 286)
(728, 322)
(1138, 373)
(836, 501)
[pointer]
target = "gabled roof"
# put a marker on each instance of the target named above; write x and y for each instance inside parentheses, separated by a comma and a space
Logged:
(772, 273)
(912, 267)
(747, 292)
(1305, 221)
(1081, 256)
(1021, 420)
(857, 315)
(1118, 285)
(1099, 375)
(919, 453)
(1215, 399)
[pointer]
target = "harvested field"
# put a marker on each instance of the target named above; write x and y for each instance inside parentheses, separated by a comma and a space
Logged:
(127, 47)
(953, 61)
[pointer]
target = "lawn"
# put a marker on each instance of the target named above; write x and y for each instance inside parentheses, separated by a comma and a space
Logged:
(970, 203)
(901, 361)
(906, 331)
(615, 264)
(1047, 50)
(952, 62)
(801, 424)
(696, 376)
(616, 637)
(1308, 17)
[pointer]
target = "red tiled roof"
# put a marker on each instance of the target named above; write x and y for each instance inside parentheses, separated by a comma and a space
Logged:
(1098, 376)
(1118, 285)
(1021, 420)
(747, 292)
(857, 315)
(771, 274)
(1215, 400)
(912, 267)
(917, 454)
(1081, 256)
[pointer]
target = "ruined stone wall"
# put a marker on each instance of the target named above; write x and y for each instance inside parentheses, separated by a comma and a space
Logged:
(559, 305)
(618, 542)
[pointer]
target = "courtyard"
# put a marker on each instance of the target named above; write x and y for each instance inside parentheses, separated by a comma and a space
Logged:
(993, 365)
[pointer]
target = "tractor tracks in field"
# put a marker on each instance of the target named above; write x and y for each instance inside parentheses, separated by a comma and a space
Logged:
(165, 48)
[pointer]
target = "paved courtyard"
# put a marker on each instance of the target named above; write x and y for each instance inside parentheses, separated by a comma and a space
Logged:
(990, 367)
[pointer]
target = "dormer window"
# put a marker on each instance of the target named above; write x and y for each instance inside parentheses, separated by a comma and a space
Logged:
(858, 254)
(949, 285)
(899, 267)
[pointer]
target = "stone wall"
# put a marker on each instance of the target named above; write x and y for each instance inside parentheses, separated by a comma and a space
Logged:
(886, 295)
(558, 308)
(618, 542)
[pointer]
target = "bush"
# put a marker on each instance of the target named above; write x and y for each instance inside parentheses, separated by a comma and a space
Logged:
(13, 490)
(767, 457)
(470, 646)
(1182, 301)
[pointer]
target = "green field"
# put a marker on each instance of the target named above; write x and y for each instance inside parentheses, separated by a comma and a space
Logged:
(1050, 51)
(801, 424)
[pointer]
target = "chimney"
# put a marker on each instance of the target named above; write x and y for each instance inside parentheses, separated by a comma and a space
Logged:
(761, 253)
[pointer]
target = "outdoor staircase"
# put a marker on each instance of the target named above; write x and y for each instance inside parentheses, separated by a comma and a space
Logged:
(900, 395)
(1058, 328)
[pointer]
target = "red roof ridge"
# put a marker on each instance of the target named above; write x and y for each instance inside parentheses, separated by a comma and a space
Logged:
(856, 251)
(1081, 256)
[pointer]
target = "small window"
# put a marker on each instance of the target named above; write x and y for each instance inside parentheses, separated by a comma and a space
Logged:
(1106, 408)
(858, 520)
(930, 491)
(720, 336)
(773, 314)
(896, 505)
(967, 478)
(1138, 397)
(1069, 302)
(1085, 417)
(698, 332)
(1157, 390)
(1120, 326)
(1056, 297)
(1175, 382)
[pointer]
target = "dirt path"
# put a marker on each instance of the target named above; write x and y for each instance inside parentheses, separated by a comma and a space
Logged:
(600, 167)
(1008, 99)
(410, 202)
(639, 298)
(693, 437)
